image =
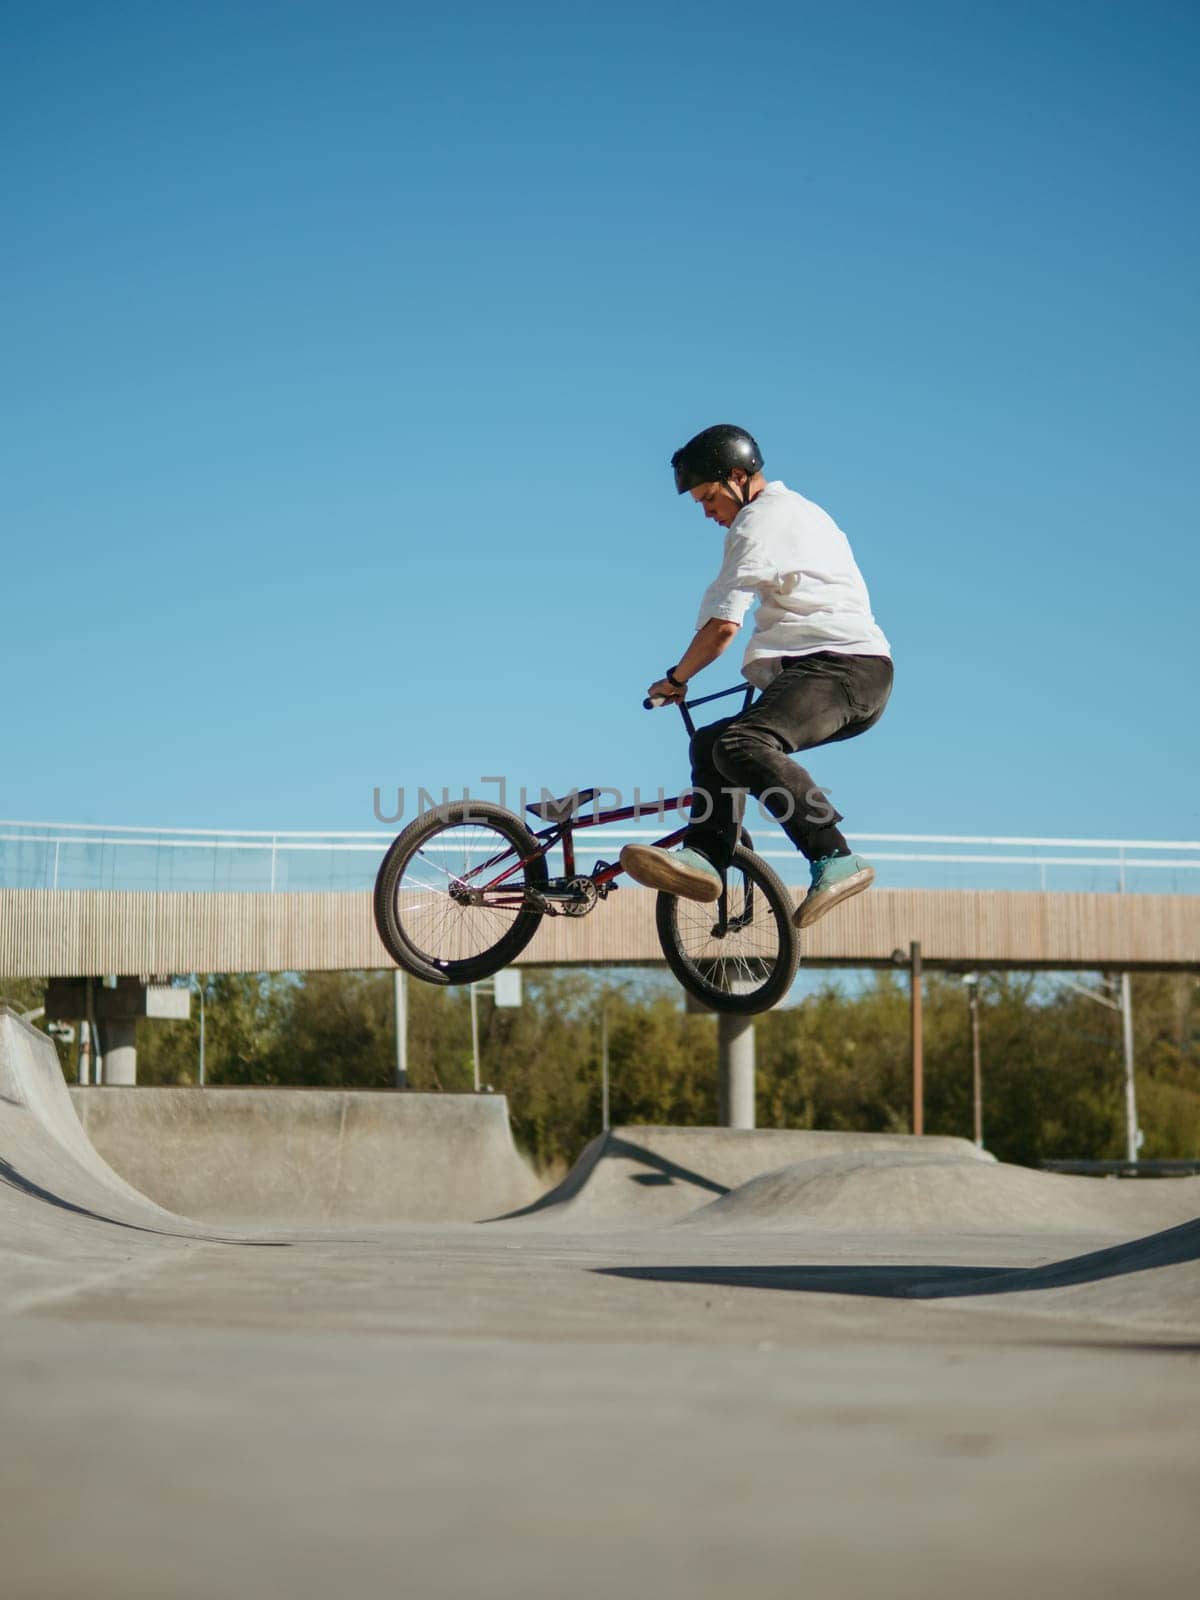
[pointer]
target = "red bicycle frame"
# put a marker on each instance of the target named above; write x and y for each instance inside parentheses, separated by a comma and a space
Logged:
(562, 829)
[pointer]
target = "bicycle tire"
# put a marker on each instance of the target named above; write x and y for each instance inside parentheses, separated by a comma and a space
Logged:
(431, 936)
(751, 974)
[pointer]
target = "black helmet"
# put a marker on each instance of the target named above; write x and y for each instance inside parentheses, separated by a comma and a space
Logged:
(712, 455)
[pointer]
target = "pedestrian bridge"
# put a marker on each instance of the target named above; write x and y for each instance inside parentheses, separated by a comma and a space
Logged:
(87, 933)
(78, 900)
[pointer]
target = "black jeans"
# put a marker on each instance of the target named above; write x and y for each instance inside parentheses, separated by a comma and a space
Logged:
(817, 699)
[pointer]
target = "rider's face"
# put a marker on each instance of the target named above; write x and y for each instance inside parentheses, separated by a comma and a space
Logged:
(719, 503)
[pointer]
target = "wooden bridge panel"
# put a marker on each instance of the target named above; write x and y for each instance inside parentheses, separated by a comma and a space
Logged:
(64, 933)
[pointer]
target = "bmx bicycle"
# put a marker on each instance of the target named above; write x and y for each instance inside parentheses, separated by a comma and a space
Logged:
(462, 890)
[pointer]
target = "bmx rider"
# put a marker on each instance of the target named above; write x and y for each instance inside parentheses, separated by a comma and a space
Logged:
(817, 654)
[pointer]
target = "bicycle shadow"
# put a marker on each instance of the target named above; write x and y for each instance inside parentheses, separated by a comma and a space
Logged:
(1172, 1247)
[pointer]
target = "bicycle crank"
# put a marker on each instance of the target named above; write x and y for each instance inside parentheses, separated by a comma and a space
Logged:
(564, 897)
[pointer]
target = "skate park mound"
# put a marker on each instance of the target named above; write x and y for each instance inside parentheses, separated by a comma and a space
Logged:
(645, 1176)
(907, 1191)
(303, 1156)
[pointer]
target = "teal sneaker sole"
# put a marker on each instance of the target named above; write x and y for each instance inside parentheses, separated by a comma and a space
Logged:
(814, 906)
(659, 869)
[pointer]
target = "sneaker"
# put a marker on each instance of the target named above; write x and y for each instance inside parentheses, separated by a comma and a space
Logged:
(682, 872)
(834, 878)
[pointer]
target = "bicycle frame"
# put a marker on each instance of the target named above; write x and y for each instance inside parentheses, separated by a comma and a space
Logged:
(462, 891)
(562, 831)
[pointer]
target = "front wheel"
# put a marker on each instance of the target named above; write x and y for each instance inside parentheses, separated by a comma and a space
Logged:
(454, 894)
(739, 955)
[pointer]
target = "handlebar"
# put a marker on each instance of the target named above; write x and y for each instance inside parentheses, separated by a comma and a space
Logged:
(653, 702)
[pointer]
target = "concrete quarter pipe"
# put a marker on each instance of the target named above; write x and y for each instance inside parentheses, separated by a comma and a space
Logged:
(311, 1155)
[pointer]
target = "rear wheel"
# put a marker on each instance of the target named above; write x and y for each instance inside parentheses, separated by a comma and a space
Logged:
(452, 897)
(741, 954)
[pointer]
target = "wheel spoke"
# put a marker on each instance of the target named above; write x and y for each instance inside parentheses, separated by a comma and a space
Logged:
(747, 953)
(429, 895)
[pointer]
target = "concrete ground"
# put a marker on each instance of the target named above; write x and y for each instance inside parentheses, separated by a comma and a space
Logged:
(455, 1411)
(739, 1400)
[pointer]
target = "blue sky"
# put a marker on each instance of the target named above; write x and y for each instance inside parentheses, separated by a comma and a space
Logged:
(346, 346)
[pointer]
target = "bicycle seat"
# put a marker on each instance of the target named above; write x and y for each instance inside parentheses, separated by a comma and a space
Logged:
(561, 810)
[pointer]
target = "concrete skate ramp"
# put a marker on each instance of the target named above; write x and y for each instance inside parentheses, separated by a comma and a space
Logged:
(898, 1191)
(44, 1153)
(66, 1218)
(635, 1176)
(151, 1158)
(311, 1155)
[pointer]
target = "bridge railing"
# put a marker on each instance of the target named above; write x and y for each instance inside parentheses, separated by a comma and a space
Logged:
(64, 855)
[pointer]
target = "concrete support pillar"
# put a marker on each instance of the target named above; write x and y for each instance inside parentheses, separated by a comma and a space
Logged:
(112, 1011)
(120, 1052)
(735, 1071)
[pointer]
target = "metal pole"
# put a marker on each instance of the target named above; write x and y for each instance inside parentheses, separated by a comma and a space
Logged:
(203, 1079)
(475, 1036)
(95, 1058)
(1133, 1136)
(918, 1050)
(400, 1014)
(976, 1066)
(604, 1115)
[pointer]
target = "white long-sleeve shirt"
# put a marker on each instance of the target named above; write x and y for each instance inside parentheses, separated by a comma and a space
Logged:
(792, 558)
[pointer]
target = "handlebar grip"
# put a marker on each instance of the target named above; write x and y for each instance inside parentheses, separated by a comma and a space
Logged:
(653, 703)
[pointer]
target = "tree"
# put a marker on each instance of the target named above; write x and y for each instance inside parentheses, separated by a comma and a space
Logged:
(1052, 1059)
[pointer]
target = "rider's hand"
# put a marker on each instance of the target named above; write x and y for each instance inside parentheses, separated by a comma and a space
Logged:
(662, 690)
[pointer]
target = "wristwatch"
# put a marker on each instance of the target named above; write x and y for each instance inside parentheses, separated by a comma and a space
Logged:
(676, 683)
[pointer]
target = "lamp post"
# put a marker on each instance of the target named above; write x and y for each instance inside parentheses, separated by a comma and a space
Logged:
(918, 1037)
(604, 1111)
(506, 991)
(400, 1024)
(971, 979)
(200, 991)
(474, 1039)
(1124, 1004)
(1133, 1134)
(916, 1030)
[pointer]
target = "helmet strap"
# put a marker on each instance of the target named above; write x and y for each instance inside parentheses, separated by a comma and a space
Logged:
(743, 496)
